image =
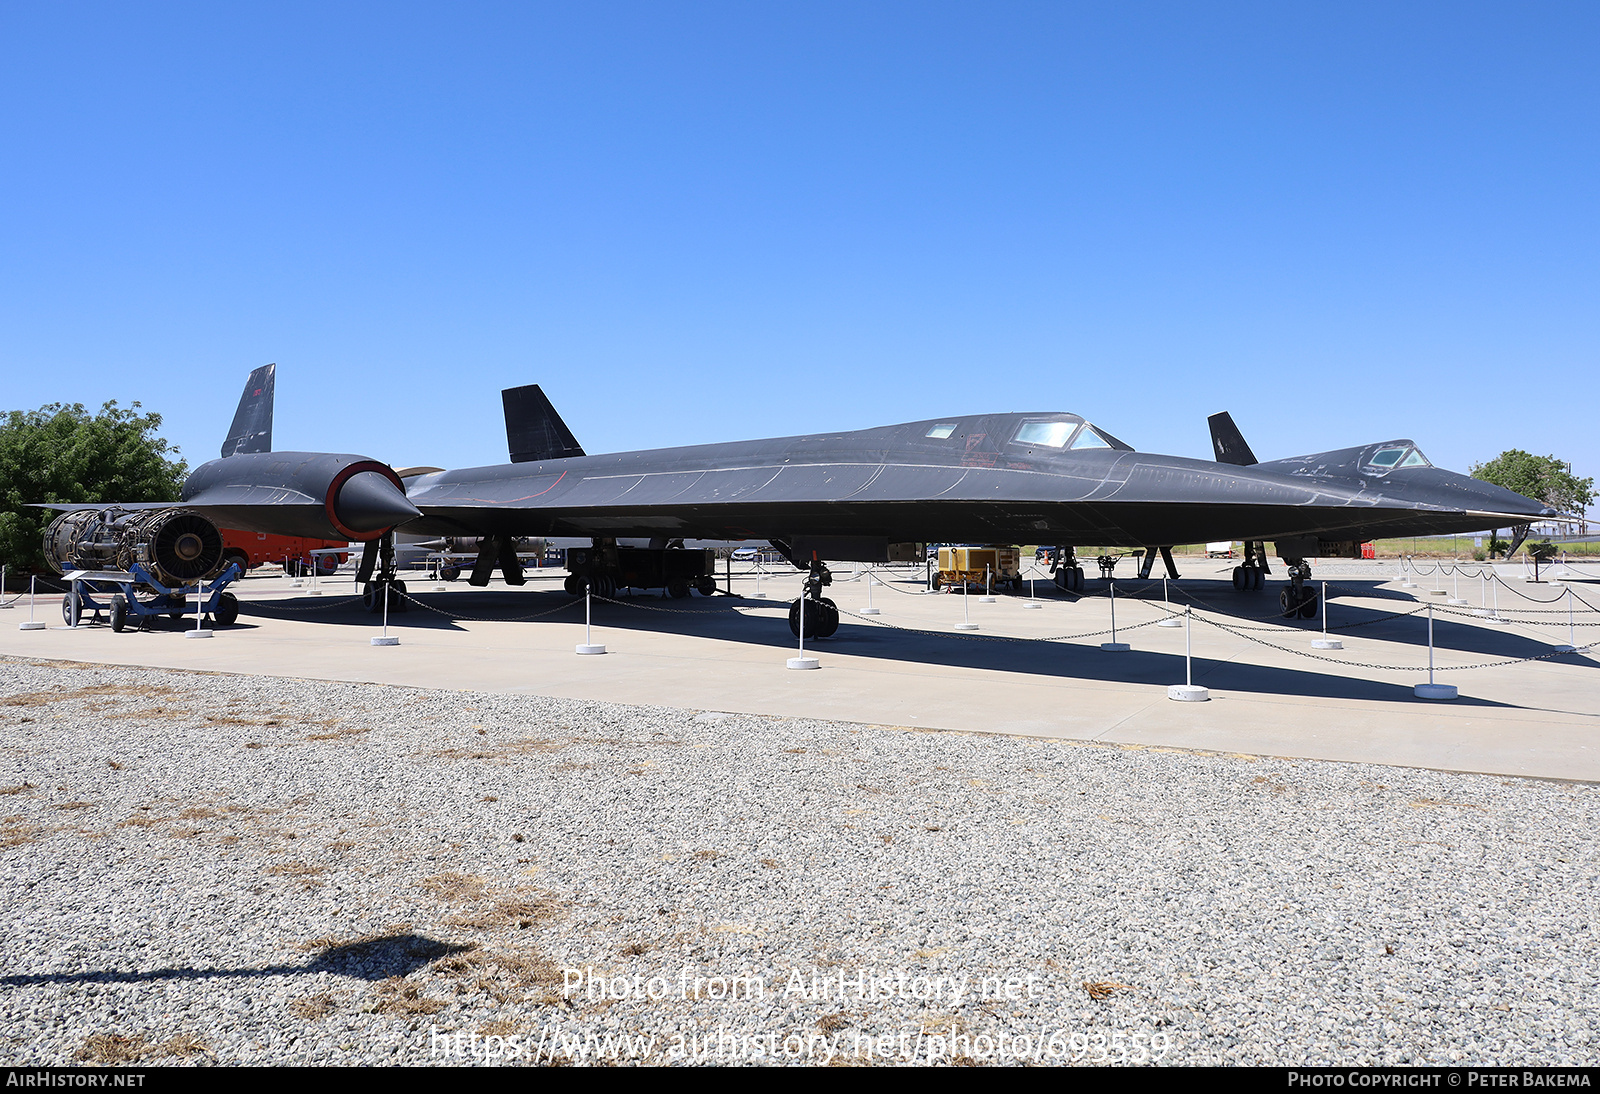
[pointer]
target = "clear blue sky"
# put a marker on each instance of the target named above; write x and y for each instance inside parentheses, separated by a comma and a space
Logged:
(709, 221)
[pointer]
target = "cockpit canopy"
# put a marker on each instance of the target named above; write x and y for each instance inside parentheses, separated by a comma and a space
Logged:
(1387, 457)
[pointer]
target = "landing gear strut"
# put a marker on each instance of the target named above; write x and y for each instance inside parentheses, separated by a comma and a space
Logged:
(379, 555)
(821, 614)
(1252, 574)
(1298, 599)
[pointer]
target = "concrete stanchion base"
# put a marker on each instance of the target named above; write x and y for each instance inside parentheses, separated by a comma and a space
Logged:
(441, 588)
(1437, 592)
(1326, 644)
(1564, 648)
(1188, 693)
(1115, 647)
(386, 640)
(1032, 604)
(1482, 613)
(313, 592)
(986, 600)
(966, 626)
(804, 663)
(1170, 621)
(1456, 602)
(758, 596)
(1434, 691)
(586, 648)
(36, 625)
(207, 634)
(870, 611)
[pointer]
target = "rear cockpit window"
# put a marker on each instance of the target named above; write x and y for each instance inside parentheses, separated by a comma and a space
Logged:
(1045, 434)
(1090, 439)
(1416, 459)
(1387, 457)
(941, 431)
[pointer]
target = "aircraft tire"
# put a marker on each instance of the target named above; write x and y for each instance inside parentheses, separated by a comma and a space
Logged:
(449, 573)
(678, 588)
(812, 620)
(227, 610)
(119, 613)
(573, 585)
(1289, 603)
(828, 622)
(707, 586)
(1308, 606)
(397, 600)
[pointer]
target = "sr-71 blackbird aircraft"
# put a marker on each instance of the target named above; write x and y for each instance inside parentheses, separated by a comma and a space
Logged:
(864, 495)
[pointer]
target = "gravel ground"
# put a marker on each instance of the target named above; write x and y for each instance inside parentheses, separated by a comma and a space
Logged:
(224, 869)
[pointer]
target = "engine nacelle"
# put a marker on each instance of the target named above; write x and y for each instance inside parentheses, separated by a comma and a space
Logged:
(176, 546)
(324, 495)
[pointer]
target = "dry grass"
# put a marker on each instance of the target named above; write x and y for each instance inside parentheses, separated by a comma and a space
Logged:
(397, 996)
(454, 886)
(116, 1048)
(295, 868)
(73, 805)
(1104, 989)
(339, 734)
(314, 1008)
(19, 789)
(522, 747)
(96, 691)
(16, 831)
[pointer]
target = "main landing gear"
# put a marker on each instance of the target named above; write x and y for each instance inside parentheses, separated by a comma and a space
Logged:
(1065, 571)
(1252, 574)
(821, 614)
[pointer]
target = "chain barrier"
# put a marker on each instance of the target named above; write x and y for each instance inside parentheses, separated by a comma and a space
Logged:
(996, 637)
(492, 619)
(1393, 668)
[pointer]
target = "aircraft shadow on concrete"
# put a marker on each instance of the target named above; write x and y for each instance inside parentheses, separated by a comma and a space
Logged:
(763, 623)
(366, 959)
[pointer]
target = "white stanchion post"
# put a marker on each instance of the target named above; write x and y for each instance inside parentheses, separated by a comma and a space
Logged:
(1455, 585)
(32, 624)
(869, 609)
(966, 623)
(199, 612)
(1326, 643)
(1171, 620)
(1572, 634)
(988, 586)
(1032, 601)
(1406, 569)
(386, 639)
(1114, 646)
(1186, 692)
(802, 661)
(1430, 690)
(1495, 616)
(588, 646)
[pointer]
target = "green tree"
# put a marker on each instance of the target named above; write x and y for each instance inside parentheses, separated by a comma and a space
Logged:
(1543, 478)
(61, 452)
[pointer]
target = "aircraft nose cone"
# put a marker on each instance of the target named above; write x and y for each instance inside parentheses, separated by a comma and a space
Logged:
(369, 502)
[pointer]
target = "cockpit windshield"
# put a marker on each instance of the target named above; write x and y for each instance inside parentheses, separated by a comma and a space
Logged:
(1088, 437)
(1390, 457)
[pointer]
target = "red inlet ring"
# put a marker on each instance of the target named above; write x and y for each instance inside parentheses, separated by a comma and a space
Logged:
(333, 494)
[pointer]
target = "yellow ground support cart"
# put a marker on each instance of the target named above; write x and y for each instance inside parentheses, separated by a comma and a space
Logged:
(973, 566)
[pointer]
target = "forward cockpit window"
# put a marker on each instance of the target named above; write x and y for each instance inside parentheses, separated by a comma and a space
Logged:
(1046, 434)
(941, 431)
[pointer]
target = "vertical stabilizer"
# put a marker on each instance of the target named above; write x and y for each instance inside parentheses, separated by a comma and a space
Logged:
(1229, 442)
(534, 431)
(252, 422)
